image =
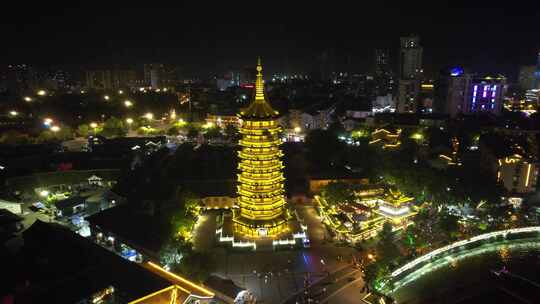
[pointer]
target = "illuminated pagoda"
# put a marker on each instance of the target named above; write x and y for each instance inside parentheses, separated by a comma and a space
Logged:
(261, 214)
(260, 179)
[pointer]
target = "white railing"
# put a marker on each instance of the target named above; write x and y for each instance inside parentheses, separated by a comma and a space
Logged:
(457, 244)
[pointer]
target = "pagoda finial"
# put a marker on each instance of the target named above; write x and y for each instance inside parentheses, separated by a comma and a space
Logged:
(259, 83)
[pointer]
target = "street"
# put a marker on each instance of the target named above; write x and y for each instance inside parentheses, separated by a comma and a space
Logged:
(276, 276)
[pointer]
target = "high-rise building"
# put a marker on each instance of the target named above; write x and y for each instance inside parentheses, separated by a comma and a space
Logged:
(411, 58)
(20, 78)
(485, 95)
(451, 88)
(527, 77)
(261, 198)
(538, 72)
(110, 79)
(384, 82)
(410, 73)
(457, 92)
(153, 73)
(159, 75)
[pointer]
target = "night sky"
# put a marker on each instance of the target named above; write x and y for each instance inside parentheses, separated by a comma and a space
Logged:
(209, 37)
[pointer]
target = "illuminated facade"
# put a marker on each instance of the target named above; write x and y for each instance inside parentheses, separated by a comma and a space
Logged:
(485, 95)
(396, 207)
(386, 138)
(261, 198)
(517, 174)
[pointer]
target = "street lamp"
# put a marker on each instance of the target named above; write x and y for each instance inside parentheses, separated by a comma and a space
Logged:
(55, 129)
(94, 125)
(149, 116)
(128, 103)
(297, 130)
(120, 92)
(13, 113)
(44, 193)
(41, 92)
(129, 121)
(27, 98)
(47, 121)
(106, 97)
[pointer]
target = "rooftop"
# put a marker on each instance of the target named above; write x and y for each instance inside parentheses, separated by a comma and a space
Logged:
(58, 266)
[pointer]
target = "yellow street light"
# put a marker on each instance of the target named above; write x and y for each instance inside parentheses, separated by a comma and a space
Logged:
(297, 130)
(55, 128)
(93, 125)
(128, 103)
(27, 98)
(106, 97)
(41, 92)
(149, 116)
(120, 92)
(44, 193)
(13, 113)
(129, 121)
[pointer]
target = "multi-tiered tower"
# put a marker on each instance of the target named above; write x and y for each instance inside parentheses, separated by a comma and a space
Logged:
(261, 198)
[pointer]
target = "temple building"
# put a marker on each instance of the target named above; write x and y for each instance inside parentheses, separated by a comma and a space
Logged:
(261, 214)
(396, 207)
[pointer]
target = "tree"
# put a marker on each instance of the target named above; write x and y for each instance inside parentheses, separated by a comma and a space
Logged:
(387, 250)
(338, 193)
(114, 127)
(213, 133)
(192, 133)
(231, 133)
(83, 130)
(13, 137)
(448, 224)
(173, 131)
(197, 265)
(323, 149)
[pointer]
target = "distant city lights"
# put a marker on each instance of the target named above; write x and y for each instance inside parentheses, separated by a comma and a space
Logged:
(41, 93)
(28, 99)
(128, 103)
(13, 113)
(106, 97)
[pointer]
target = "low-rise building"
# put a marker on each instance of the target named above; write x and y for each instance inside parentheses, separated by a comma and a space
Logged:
(386, 137)
(514, 168)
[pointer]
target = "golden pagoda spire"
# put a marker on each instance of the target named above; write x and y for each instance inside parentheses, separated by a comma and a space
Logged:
(259, 83)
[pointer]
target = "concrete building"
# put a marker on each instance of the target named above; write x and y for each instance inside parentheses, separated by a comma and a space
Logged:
(20, 78)
(513, 167)
(527, 77)
(451, 89)
(384, 81)
(410, 74)
(110, 79)
(411, 58)
(485, 95)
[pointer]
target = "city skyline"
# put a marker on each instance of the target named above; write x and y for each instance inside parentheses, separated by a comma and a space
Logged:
(486, 39)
